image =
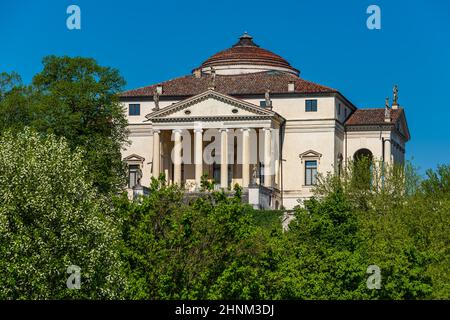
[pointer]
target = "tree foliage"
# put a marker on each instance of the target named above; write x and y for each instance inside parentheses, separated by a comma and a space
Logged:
(74, 98)
(213, 249)
(51, 218)
(176, 250)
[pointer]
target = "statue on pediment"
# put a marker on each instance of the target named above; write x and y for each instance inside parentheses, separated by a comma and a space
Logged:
(387, 110)
(267, 98)
(156, 100)
(213, 78)
(395, 92)
(254, 173)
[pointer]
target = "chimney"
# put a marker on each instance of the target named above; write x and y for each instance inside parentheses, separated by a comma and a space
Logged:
(159, 89)
(198, 73)
(291, 86)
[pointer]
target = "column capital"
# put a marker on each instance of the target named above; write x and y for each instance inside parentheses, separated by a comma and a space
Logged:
(156, 131)
(198, 130)
(177, 130)
(224, 129)
(244, 129)
(267, 129)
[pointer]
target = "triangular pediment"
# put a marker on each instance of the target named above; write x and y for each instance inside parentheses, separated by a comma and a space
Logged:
(134, 158)
(210, 104)
(310, 154)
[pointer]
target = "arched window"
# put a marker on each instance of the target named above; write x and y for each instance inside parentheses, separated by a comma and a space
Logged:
(363, 153)
(362, 168)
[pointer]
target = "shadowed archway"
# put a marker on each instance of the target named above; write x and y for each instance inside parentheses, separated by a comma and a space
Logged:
(363, 153)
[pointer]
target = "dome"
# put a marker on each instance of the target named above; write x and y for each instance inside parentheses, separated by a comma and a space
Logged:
(246, 57)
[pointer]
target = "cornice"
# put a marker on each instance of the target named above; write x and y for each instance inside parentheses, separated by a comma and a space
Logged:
(207, 95)
(212, 119)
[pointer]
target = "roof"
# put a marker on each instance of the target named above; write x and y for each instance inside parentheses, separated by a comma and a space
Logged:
(372, 117)
(242, 84)
(375, 117)
(245, 52)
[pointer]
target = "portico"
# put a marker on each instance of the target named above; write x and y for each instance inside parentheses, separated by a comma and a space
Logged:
(234, 145)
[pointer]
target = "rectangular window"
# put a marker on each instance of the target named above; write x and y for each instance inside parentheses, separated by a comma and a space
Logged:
(311, 105)
(262, 103)
(133, 175)
(345, 114)
(310, 172)
(339, 109)
(134, 109)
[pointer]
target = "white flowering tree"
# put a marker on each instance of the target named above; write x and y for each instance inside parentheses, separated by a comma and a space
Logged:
(52, 220)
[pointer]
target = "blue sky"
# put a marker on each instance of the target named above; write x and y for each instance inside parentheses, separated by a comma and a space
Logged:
(152, 41)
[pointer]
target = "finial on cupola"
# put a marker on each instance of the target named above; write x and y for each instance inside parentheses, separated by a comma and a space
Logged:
(245, 40)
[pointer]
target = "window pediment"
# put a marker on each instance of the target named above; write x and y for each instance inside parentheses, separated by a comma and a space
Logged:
(310, 154)
(134, 158)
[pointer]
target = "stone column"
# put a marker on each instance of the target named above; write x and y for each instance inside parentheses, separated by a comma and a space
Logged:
(177, 156)
(198, 156)
(245, 157)
(267, 157)
(156, 154)
(224, 158)
(388, 151)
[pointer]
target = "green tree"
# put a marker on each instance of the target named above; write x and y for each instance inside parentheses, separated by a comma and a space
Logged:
(51, 218)
(8, 83)
(389, 213)
(176, 250)
(16, 102)
(318, 258)
(77, 99)
(429, 222)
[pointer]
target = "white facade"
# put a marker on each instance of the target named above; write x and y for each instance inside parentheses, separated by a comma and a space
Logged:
(324, 137)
